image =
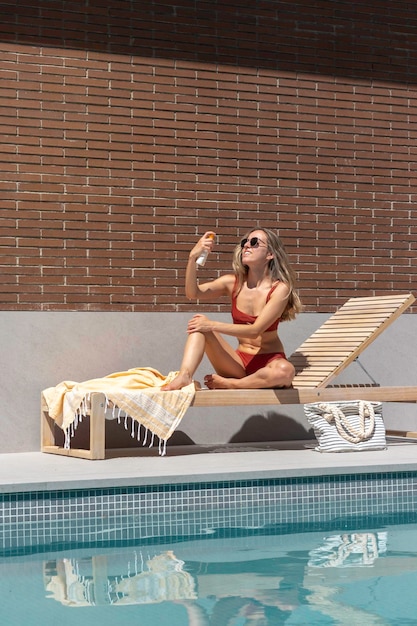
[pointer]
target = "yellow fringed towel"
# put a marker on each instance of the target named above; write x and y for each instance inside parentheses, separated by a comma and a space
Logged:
(136, 392)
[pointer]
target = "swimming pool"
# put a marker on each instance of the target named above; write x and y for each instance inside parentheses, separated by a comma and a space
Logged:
(318, 551)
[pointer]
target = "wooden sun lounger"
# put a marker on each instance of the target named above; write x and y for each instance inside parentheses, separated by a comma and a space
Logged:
(324, 355)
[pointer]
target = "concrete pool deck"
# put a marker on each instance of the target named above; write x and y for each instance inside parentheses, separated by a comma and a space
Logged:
(36, 471)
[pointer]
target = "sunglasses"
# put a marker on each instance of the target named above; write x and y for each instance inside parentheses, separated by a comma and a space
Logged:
(254, 242)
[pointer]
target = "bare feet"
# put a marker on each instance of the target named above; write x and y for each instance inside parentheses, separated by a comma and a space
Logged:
(214, 381)
(182, 379)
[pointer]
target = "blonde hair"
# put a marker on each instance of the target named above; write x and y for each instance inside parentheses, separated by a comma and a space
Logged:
(279, 267)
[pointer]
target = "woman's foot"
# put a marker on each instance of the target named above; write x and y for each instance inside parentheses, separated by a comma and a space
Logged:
(214, 381)
(182, 379)
(265, 378)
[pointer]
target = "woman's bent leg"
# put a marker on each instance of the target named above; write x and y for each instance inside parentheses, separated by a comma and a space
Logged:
(193, 353)
(278, 373)
(221, 355)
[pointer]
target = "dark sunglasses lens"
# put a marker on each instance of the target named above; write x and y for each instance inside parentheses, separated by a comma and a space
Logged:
(253, 242)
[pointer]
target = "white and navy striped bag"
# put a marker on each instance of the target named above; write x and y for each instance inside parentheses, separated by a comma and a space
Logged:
(353, 425)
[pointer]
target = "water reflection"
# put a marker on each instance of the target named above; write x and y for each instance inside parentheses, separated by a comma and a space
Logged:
(349, 550)
(355, 551)
(317, 578)
(210, 593)
(90, 581)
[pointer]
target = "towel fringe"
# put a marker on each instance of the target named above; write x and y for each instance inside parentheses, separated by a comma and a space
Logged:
(162, 447)
(70, 431)
(137, 435)
(82, 411)
(119, 414)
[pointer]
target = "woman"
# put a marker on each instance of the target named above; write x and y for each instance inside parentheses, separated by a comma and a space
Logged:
(262, 293)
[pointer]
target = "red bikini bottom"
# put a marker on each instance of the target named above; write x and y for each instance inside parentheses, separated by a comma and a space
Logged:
(254, 362)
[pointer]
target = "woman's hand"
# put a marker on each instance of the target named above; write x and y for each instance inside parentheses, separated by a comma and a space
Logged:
(205, 243)
(199, 324)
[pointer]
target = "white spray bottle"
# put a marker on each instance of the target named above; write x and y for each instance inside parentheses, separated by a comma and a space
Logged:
(201, 260)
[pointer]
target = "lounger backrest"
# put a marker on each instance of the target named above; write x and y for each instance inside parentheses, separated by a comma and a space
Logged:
(344, 336)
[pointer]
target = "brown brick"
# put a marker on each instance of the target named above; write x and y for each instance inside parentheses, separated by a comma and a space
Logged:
(115, 157)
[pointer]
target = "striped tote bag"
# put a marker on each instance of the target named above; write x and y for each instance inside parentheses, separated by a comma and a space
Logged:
(353, 425)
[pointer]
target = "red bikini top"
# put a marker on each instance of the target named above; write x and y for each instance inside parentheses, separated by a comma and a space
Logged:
(239, 317)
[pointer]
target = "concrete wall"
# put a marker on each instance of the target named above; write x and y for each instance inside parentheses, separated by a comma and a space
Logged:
(40, 349)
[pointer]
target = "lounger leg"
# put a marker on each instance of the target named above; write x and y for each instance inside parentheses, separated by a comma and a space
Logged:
(47, 428)
(97, 448)
(97, 426)
(410, 434)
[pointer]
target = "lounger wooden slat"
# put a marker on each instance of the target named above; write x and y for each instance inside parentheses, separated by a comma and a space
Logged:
(341, 333)
(322, 357)
(241, 397)
(393, 307)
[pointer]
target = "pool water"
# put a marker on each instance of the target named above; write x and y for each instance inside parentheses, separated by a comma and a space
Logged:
(346, 575)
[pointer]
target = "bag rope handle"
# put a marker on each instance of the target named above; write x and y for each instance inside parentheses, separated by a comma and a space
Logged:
(344, 428)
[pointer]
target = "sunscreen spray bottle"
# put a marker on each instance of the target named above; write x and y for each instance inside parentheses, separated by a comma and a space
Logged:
(201, 260)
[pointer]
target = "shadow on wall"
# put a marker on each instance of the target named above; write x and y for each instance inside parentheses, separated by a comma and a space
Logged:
(354, 40)
(271, 427)
(258, 428)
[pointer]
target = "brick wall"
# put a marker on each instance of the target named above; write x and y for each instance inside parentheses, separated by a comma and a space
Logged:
(129, 128)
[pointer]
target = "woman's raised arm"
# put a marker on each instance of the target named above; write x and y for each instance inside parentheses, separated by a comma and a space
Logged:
(211, 289)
